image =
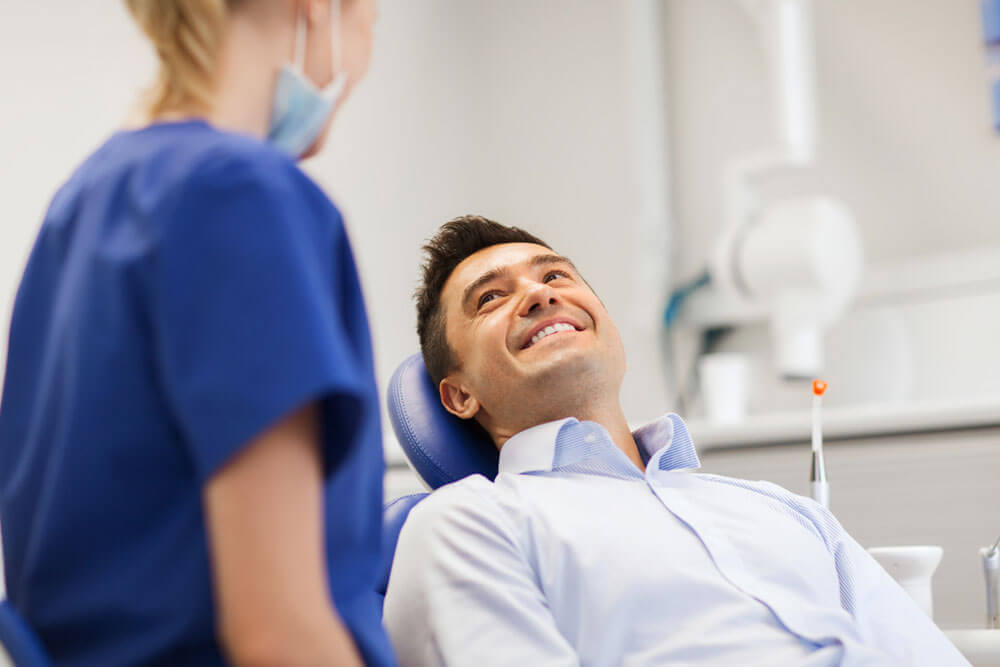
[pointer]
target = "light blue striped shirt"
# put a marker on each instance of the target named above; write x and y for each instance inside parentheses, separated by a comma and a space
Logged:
(575, 556)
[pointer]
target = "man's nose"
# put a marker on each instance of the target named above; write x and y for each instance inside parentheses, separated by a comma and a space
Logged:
(537, 296)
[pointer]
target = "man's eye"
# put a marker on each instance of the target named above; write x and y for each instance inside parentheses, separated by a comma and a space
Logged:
(552, 275)
(486, 298)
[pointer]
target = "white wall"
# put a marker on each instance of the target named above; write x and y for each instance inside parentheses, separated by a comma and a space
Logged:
(519, 111)
(905, 139)
(69, 71)
(523, 111)
(905, 135)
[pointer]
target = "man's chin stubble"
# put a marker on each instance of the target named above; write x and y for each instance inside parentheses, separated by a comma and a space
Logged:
(570, 384)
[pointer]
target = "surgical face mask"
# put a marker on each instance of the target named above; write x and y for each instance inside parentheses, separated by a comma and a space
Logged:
(301, 110)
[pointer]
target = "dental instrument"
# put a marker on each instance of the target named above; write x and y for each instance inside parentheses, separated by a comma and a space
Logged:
(820, 485)
(991, 569)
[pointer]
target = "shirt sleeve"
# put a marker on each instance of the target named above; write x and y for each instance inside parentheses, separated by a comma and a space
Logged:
(461, 591)
(885, 616)
(247, 317)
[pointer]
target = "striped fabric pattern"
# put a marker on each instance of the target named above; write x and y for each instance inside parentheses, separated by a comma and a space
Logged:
(666, 446)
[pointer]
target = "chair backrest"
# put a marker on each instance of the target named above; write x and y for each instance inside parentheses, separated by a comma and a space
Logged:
(441, 447)
(393, 517)
(19, 640)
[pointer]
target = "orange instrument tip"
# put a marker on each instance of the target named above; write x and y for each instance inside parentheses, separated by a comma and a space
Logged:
(819, 387)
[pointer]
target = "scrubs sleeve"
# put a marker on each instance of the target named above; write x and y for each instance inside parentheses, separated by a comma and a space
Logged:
(248, 318)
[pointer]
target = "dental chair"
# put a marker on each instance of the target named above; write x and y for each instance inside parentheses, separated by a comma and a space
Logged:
(441, 447)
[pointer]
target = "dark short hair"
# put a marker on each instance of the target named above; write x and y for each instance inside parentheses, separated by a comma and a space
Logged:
(456, 240)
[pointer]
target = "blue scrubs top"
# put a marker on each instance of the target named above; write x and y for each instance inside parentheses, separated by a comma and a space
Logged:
(188, 288)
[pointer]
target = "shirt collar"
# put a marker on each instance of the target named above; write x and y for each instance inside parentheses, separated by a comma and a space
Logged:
(532, 449)
(664, 443)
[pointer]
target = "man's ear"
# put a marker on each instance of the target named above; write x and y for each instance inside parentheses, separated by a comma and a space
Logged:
(456, 399)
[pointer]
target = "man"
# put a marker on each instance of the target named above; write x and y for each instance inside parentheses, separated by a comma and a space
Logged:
(596, 545)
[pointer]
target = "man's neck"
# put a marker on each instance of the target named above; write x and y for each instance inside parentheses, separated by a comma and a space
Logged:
(614, 422)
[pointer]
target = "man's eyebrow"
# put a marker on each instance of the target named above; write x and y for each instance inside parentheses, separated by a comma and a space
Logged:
(543, 260)
(487, 277)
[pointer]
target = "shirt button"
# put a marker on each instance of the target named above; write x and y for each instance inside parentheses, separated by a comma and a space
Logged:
(590, 438)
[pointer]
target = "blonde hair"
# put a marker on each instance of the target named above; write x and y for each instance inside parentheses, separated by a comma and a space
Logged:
(186, 35)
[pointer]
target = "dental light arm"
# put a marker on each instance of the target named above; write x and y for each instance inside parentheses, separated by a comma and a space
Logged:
(801, 263)
(795, 262)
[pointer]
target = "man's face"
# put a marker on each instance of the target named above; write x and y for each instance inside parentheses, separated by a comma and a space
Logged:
(528, 335)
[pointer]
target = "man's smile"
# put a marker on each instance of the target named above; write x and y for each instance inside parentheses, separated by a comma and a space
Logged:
(550, 328)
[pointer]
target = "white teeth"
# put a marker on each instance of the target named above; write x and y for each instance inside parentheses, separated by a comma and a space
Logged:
(561, 326)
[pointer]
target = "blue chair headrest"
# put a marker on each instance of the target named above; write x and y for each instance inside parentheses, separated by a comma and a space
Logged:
(440, 446)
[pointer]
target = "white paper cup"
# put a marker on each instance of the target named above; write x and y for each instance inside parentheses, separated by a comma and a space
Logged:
(912, 567)
(724, 387)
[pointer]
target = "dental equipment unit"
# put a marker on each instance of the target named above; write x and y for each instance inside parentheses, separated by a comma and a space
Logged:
(817, 477)
(991, 569)
(794, 262)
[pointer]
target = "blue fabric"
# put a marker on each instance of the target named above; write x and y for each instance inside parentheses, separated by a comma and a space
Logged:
(20, 642)
(995, 95)
(991, 21)
(991, 36)
(188, 288)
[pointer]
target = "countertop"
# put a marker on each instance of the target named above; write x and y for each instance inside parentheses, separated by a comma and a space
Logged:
(840, 423)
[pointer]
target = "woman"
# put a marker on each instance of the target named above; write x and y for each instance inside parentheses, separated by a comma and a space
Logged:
(190, 454)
